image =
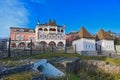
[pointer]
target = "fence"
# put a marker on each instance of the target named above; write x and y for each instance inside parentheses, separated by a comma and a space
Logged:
(11, 52)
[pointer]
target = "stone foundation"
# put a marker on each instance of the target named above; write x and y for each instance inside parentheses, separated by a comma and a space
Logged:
(108, 53)
(87, 53)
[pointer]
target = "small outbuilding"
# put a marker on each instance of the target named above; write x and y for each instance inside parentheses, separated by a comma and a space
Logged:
(85, 43)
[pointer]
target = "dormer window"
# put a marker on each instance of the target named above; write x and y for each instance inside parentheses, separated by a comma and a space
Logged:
(21, 30)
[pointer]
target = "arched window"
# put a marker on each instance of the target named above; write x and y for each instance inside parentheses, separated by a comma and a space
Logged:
(45, 29)
(21, 45)
(58, 30)
(52, 43)
(40, 29)
(62, 30)
(60, 44)
(50, 29)
(29, 44)
(13, 45)
(42, 43)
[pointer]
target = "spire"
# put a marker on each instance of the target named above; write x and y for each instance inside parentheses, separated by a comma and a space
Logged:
(54, 22)
(50, 22)
(38, 22)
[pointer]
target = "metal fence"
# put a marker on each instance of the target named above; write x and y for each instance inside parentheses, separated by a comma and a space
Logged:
(11, 52)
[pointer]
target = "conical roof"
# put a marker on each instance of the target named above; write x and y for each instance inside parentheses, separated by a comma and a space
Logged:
(103, 35)
(83, 33)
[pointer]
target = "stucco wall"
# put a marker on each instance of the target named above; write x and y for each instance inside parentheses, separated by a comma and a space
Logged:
(106, 45)
(79, 44)
(117, 49)
(85, 44)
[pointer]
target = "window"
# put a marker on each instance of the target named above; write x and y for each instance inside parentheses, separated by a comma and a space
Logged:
(62, 30)
(40, 36)
(20, 37)
(21, 30)
(30, 38)
(31, 31)
(58, 36)
(44, 36)
(54, 36)
(50, 36)
(40, 29)
(86, 46)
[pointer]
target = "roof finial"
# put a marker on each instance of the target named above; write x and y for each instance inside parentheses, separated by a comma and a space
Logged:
(38, 22)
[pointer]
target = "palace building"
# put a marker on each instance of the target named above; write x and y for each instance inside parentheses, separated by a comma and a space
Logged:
(48, 34)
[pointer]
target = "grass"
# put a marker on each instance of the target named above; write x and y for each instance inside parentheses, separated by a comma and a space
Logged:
(100, 75)
(57, 55)
(51, 55)
(112, 60)
(21, 76)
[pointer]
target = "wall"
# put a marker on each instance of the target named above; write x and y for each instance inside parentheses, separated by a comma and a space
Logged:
(89, 44)
(94, 65)
(108, 45)
(6, 71)
(117, 49)
(75, 64)
(85, 46)
(79, 44)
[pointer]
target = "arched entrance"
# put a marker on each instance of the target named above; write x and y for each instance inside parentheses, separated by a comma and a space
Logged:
(52, 43)
(60, 44)
(13, 45)
(21, 45)
(42, 43)
(29, 44)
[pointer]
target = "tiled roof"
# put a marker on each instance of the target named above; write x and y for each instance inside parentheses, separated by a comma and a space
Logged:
(103, 35)
(83, 33)
(25, 29)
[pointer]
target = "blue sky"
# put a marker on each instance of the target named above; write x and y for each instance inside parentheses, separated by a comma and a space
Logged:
(92, 14)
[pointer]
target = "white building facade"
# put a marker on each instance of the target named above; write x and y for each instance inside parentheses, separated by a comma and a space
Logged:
(85, 43)
(50, 34)
(106, 43)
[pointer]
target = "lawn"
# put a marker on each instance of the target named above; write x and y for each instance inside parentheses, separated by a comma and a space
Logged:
(26, 75)
(58, 55)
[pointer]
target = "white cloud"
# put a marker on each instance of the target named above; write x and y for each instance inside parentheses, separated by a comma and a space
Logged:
(12, 13)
